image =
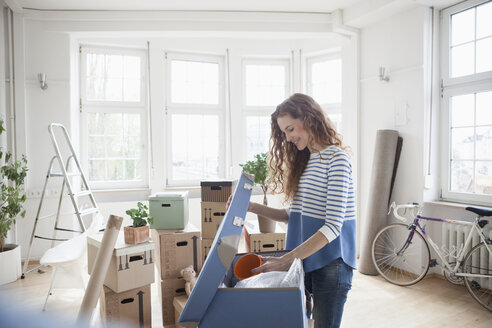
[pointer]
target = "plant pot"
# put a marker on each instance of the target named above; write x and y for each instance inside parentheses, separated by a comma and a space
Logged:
(136, 235)
(266, 225)
(10, 264)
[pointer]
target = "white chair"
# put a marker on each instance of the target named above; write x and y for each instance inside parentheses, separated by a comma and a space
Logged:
(68, 258)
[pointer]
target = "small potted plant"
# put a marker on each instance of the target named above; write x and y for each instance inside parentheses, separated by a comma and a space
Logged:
(259, 168)
(138, 232)
(12, 176)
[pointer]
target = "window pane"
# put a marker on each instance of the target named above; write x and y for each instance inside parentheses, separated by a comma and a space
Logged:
(484, 142)
(484, 55)
(194, 82)
(463, 27)
(462, 110)
(462, 60)
(484, 108)
(483, 177)
(97, 170)
(326, 81)
(195, 147)
(257, 135)
(265, 84)
(96, 147)
(461, 176)
(114, 146)
(484, 20)
(113, 78)
(462, 143)
(336, 119)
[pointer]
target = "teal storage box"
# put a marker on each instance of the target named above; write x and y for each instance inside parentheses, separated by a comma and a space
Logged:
(169, 210)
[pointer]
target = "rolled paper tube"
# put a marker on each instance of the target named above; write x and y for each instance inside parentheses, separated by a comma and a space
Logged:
(245, 264)
(99, 270)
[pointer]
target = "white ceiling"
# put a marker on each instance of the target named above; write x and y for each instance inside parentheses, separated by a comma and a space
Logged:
(317, 6)
(356, 13)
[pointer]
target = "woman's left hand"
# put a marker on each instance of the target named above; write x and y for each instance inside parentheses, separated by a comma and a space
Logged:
(274, 264)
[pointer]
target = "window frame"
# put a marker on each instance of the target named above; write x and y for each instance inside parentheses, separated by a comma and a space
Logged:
(91, 106)
(450, 87)
(266, 111)
(193, 108)
(332, 108)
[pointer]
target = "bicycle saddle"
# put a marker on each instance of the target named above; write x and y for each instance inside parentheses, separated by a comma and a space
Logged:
(479, 211)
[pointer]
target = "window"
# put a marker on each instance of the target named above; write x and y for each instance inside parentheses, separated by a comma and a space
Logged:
(195, 118)
(324, 84)
(466, 73)
(114, 106)
(265, 85)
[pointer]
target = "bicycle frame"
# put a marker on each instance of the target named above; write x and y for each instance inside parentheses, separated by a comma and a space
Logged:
(459, 257)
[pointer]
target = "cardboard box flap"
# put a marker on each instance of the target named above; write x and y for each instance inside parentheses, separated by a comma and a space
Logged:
(120, 248)
(221, 255)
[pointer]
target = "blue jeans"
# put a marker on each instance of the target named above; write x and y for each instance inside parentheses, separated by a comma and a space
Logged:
(329, 286)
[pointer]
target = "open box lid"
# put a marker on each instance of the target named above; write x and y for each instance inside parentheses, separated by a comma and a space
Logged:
(222, 252)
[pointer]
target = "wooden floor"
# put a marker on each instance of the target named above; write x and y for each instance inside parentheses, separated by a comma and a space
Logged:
(372, 302)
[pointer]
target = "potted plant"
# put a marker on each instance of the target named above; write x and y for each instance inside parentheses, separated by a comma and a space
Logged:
(259, 168)
(12, 175)
(138, 232)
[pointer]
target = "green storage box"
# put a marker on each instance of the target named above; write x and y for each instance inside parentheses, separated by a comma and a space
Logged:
(169, 210)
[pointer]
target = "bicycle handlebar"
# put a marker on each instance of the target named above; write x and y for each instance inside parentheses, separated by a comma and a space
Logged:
(404, 206)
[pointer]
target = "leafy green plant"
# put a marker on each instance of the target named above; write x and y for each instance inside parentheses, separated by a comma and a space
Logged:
(140, 216)
(12, 175)
(259, 168)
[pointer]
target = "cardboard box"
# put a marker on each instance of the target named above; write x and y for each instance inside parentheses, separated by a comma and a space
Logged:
(264, 242)
(211, 306)
(216, 191)
(206, 246)
(179, 303)
(212, 215)
(176, 249)
(168, 290)
(129, 308)
(131, 265)
(169, 210)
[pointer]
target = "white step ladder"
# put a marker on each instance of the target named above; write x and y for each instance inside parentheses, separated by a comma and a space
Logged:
(85, 191)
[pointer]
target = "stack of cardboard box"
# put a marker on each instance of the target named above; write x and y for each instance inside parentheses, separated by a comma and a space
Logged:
(177, 246)
(175, 250)
(214, 196)
(125, 298)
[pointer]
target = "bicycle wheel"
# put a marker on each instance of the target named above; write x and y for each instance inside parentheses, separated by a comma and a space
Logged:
(479, 261)
(397, 261)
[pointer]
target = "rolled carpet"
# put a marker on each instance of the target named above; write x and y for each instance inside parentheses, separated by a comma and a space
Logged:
(386, 156)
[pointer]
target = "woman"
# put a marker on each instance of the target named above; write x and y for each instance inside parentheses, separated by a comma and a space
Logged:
(309, 165)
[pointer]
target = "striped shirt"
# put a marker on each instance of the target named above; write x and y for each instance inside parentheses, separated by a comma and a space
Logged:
(325, 202)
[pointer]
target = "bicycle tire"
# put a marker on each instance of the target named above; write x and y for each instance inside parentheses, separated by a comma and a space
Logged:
(400, 269)
(476, 261)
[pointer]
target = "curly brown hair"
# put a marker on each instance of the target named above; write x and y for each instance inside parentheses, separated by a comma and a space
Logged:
(286, 162)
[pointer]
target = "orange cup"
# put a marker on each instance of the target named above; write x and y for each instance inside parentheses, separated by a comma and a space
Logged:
(245, 264)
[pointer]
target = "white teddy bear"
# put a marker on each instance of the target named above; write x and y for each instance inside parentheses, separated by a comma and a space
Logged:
(189, 276)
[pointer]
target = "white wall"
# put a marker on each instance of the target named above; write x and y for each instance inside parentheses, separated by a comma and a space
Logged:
(402, 44)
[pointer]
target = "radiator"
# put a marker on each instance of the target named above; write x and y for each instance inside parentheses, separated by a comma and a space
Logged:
(453, 238)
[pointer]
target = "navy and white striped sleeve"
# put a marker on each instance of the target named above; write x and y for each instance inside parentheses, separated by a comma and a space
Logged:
(338, 193)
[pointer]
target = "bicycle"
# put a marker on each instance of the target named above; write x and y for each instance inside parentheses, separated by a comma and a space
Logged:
(395, 251)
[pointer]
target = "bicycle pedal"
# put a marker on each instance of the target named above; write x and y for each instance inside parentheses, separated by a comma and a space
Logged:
(432, 263)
